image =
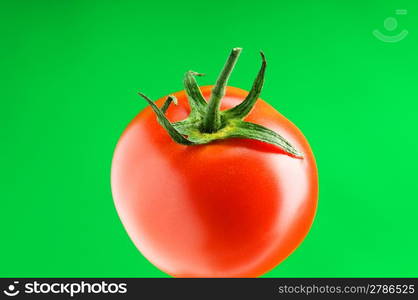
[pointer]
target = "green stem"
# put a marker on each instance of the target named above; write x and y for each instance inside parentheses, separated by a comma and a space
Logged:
(212, 120)
(206, 123)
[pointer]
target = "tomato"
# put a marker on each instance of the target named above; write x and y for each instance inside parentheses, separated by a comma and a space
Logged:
(230, 208)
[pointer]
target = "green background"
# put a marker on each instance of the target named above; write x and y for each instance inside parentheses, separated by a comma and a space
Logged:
(69, 75)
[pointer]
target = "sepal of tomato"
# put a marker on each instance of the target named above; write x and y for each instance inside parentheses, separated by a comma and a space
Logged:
(206, 123)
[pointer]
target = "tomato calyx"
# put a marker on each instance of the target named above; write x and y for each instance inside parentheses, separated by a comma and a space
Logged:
(207, 123)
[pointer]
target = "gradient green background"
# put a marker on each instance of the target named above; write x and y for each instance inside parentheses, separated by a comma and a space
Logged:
(69, 75)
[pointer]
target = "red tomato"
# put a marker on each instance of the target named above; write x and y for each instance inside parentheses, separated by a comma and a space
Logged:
(231, 208)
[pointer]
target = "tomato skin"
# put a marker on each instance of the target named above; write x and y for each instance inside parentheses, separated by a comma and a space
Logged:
(231, 208)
